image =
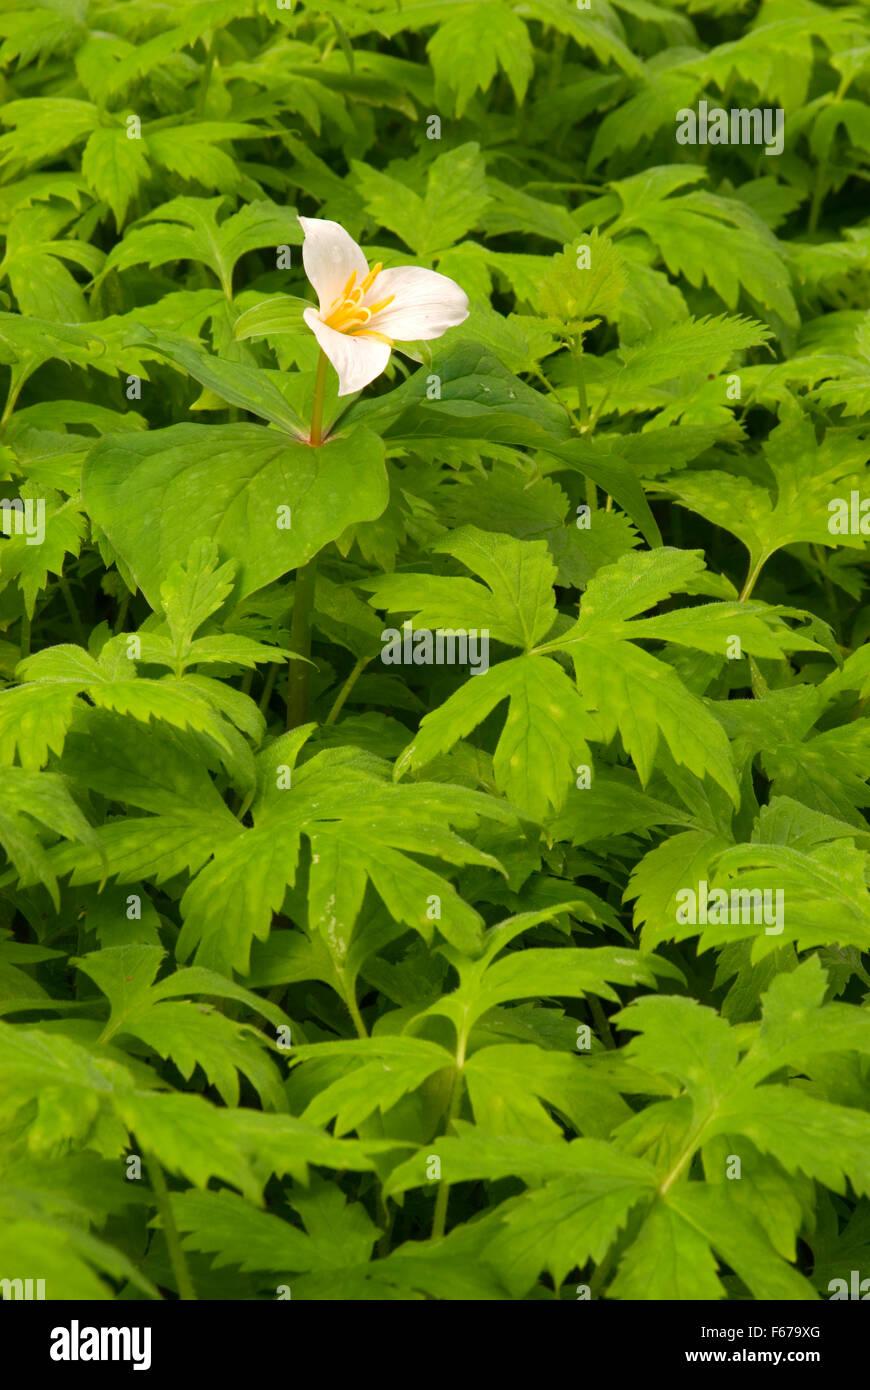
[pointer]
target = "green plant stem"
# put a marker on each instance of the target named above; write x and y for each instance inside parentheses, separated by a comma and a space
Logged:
(299, 672)
(268, 687)
(601, 1272)
(186, 1291)
(315, 435)
(25, 636)
(389, 1220)
(439, 1220)
(601, 1023)
(72, 609)
(122, 614)
(752, 577)
(577, 354)
(586, 423)
(353, 1010)
(545, 381)
(348, 686)
(205, 79)
(820, 188)
(16, 382)
(829, 588)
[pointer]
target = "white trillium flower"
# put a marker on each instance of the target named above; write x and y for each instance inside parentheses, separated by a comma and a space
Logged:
(362, 311)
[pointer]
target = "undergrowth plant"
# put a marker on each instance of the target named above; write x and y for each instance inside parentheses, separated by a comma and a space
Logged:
(434, 726)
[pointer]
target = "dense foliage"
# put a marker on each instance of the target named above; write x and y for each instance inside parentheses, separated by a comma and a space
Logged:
(333, 976)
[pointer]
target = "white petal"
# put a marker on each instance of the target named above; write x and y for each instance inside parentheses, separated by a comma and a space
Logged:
(425, 306)
(357, 360)
(330, 255)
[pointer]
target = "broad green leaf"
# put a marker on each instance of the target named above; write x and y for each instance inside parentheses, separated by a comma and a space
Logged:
(239, 484)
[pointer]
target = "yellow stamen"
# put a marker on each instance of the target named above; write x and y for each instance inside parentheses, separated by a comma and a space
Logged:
(372, 276)
(372, 333)
(376, 308)
(348, 315)
(345, 292)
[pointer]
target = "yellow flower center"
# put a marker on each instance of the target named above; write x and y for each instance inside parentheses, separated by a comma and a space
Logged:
(346, 313)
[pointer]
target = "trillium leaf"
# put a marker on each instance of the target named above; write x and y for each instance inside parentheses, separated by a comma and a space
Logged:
(249, 388)
(234, 483)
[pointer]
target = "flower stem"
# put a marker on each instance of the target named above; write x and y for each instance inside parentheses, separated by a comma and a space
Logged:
(348, 686)
(316, 434)
(186, 1291)
(439, 1220)
(299, 672)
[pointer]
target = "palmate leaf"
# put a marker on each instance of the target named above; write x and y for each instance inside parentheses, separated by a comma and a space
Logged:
(70, 1259)
(34, 264)
(807, 476)
(811, 882)
(192, 1035)
(468, 49)
(824, 770)
(330, 1258)
(632, 691)
(111, 683)
(361, 829)
(190, 595)
(700, 346)
(808, 855)
(544, 736)
(673, 1257)
(574, 296)
(504, 501)
(157, 769)
(517, 607)
(735, 1099)
(509, 1085)
(522, 974)
(28, 564)
(227, 1226)
(115, 168)
(589, 1197)
(82, 1095)
(29, 342)
(505, 1084)
(42, 128)
(188, 229)
(621, 687)
(706, 237)
(375, 1074)
(682, 861)
(481, 401)
(455, 198)
(43, 797)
